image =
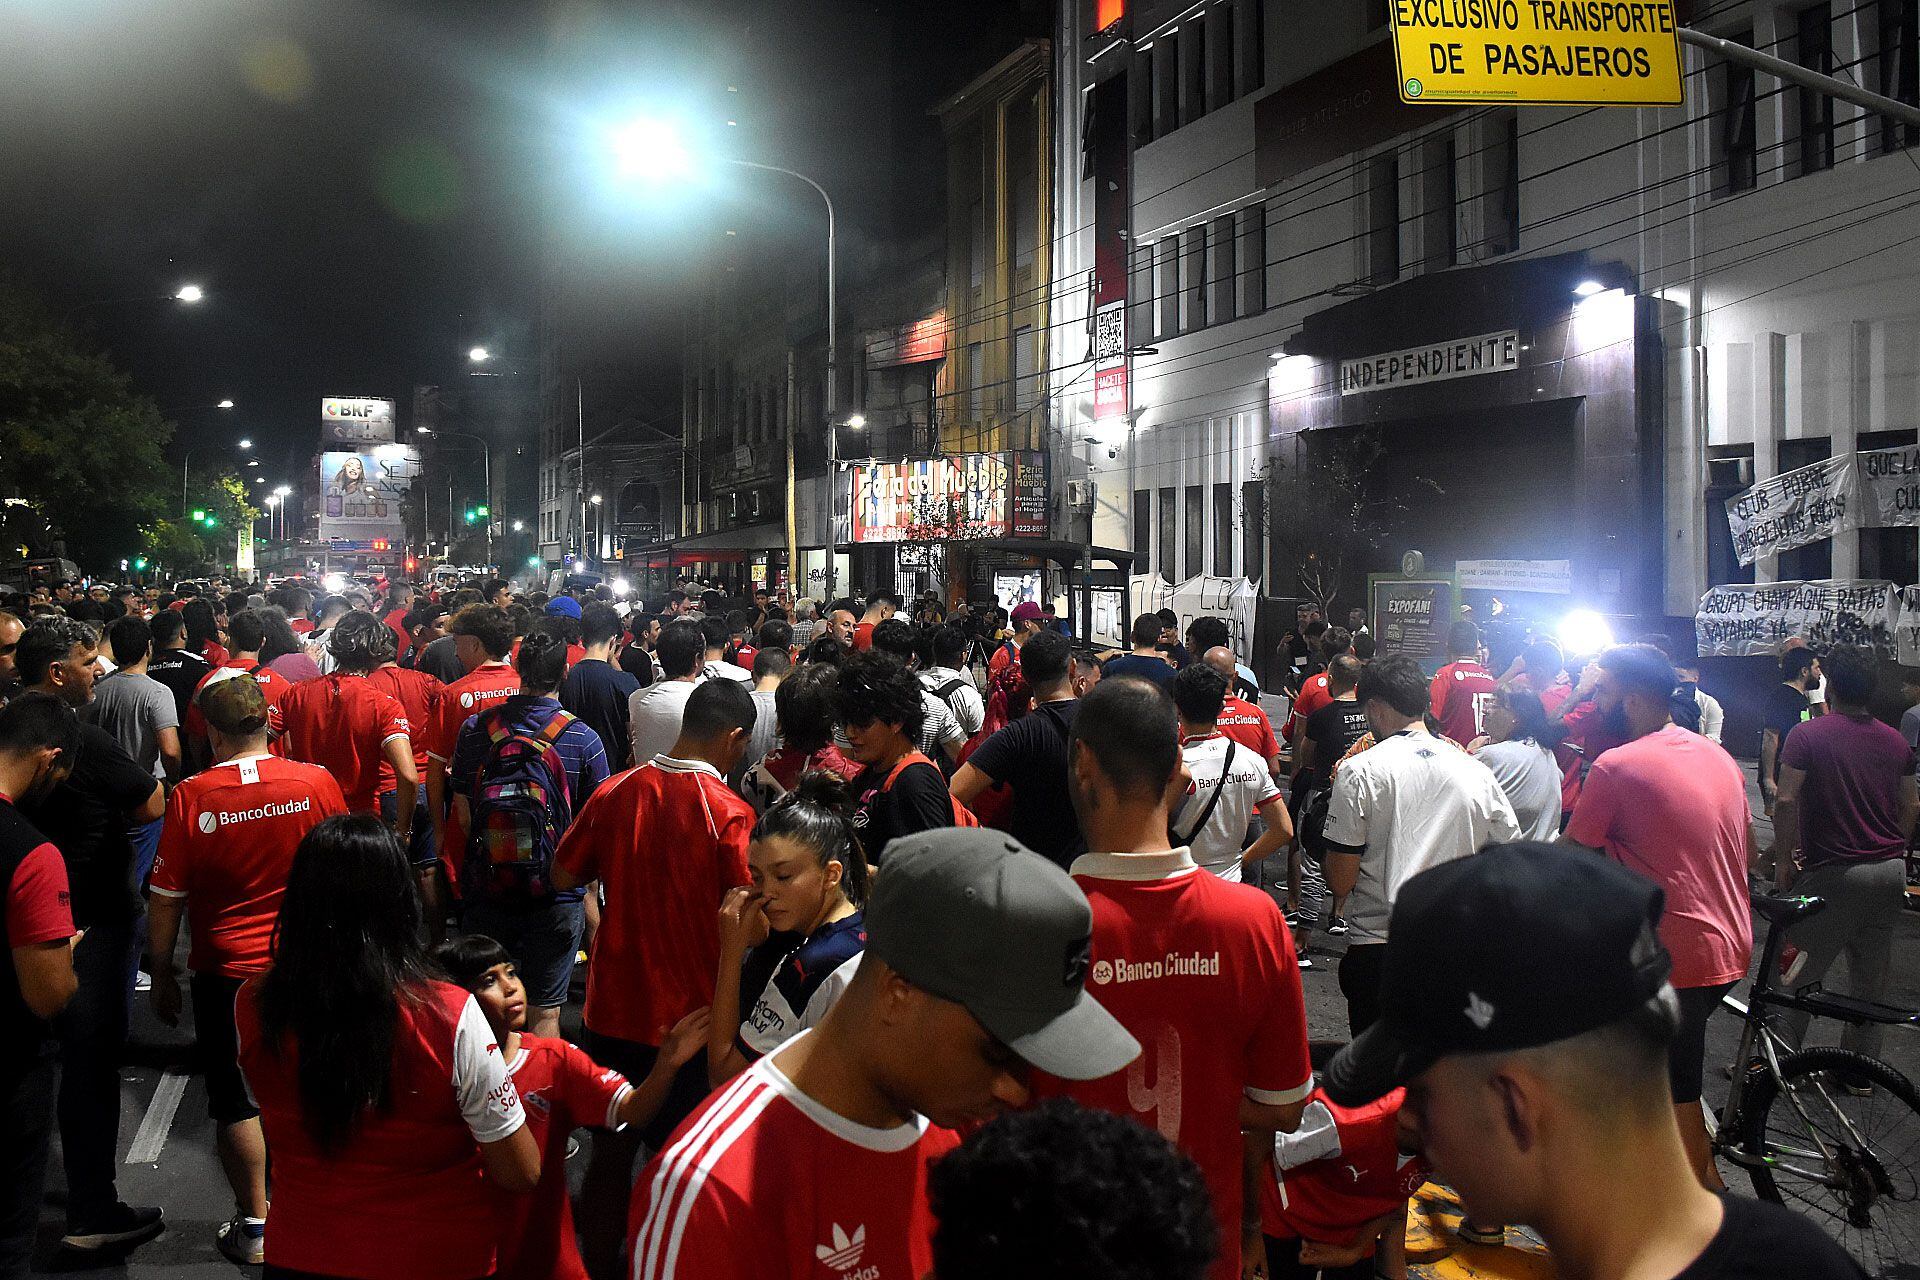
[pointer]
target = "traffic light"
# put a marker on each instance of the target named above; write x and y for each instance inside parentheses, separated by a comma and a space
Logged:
(413, 565)
(212, 521)
(471, 517)
(140, 565)
(481, 511)
(380, 544)
(199, 515)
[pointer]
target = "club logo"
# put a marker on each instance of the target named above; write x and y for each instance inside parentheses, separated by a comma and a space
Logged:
(1479, 1012)
(466, 699)
(844, 1253)
(208, 822)
(1102, 972)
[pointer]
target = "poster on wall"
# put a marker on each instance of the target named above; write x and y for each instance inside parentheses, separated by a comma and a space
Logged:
(957, 498)
(362, 492)
(1750, 620)
(1411, 616)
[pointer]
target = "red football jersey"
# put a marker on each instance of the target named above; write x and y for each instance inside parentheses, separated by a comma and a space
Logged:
(666, 841)
(1460, 694)
(851, 1200)
(563, 1090)
(1203, 974)
(1248, 725)
(272, 684)
(226, 846)
(420, 694)
(480, 688)
(1314, 695)
(407, 1195)
(397, 623)
(1338, 1171)
(344, 724)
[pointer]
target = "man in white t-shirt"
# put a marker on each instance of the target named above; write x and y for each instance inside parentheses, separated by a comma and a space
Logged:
(1409, 802)
(1226, 783)
(654, 712)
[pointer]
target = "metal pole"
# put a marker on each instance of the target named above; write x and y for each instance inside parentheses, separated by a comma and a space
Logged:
(486, 471)
(1794, 73)
(580, 427)
(183, 481)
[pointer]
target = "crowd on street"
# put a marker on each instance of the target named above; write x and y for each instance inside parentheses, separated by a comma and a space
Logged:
(916, 941)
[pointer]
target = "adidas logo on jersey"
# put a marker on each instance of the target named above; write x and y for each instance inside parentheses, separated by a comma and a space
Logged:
(844, 1252)
(212, 819)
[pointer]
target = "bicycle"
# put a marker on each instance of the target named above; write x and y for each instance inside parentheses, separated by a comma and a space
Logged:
(1826, 1131)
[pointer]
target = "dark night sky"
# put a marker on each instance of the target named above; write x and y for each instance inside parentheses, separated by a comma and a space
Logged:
(362, 187)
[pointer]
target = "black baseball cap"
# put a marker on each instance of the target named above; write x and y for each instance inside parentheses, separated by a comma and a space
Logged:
(971, 915)
(1520, 945)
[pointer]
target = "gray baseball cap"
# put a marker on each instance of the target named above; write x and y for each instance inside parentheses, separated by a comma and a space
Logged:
(975, 917)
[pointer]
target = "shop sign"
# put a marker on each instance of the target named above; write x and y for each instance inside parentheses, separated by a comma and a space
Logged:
(355, 420)
(1411, 616)
(965, 496)
(1549, 577)
(1610, 53)
(1437, 362)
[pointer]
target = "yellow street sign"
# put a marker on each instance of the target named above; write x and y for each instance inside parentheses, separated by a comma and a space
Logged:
(1614, 53)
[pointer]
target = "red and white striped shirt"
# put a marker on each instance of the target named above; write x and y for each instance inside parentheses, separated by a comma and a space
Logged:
(848, 1199)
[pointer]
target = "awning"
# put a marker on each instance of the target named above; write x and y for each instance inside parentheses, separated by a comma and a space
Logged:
(752, 537)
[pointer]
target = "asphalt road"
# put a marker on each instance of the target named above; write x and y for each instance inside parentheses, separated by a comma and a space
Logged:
(163, 1112)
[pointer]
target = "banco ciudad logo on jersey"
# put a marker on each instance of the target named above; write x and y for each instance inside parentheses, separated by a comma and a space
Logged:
(844, 1252)
(212, 819)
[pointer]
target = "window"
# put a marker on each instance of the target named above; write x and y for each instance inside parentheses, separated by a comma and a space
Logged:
(1221, 276)
(1252, 275)
(1219, 67)
(1735, 168)
(977, 244)
(976, 382)
(1166, 84)
(1439, 205)
(1169, 539)
(1501, 179)
(1222, 531)
(1193, 54)
(1383, 218)
(1166, 289)
(1250, 45)
(1899, 70)
(1253, 527)
(1022, 148)
(1814, 45)
(1196, 526)
(1140, 96)
(1142, 523)
(1025, 383)
(1193, 279)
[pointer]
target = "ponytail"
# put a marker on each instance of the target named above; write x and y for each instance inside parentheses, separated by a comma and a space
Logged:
(818, 814)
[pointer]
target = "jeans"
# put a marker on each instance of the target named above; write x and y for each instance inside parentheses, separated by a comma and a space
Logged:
(145, 839)
(92, 1031)
(542, 938)
(1864, 900)
(26, 1131)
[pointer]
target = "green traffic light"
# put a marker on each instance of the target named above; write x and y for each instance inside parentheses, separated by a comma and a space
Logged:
(481, 511)
(199, 514)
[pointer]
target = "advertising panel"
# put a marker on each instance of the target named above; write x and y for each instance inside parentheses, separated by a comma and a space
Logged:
(356, 420)
(965, 496)
(1411, 616)
(362, 491)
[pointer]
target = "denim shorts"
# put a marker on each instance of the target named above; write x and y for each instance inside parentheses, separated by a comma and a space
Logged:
(543, 940)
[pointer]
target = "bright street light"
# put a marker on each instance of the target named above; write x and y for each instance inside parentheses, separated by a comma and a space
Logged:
(224, 404)
(190, 293)
(519, 526)
(244, 443)
(650, 149)
(284, 490)
(595, 499)
(253, 462)
(479, 355)
(857, 421)
(423, 431)
(1587, 288)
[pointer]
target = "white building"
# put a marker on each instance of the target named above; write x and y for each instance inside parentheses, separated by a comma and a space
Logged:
(1758, 302)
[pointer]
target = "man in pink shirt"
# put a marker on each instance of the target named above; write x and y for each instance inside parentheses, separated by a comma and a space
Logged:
(1673, 806)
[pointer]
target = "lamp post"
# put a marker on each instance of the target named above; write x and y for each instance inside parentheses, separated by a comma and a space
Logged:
(599, 527)
(486, 471)
(651, 149)
(186, 293)
(187, 457)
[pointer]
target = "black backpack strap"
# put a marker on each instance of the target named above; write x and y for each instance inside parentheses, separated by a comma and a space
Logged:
(1206, 814)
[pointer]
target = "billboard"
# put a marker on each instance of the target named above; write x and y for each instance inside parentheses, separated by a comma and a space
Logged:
(960, 497)
(361, 492)
(355, 420)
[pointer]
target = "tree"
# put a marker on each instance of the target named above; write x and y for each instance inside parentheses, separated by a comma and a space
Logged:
(76, 444)
(1330, 512)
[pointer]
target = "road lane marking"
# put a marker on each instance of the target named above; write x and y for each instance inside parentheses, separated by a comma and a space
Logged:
(152, 1134)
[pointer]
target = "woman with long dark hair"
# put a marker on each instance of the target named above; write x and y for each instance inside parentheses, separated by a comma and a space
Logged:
(1517, 749)
(382, 1091)
(790, 942)
(203, 632)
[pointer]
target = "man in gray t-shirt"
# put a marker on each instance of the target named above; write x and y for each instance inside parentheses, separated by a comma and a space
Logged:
(136, 709)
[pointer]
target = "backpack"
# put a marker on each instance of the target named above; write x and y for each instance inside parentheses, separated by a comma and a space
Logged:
(521, 803)
(962, 816)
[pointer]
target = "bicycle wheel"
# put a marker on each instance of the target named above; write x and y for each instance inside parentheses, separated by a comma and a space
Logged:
(1849, 1162)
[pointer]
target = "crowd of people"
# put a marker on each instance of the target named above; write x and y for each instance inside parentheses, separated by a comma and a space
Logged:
(915, 942)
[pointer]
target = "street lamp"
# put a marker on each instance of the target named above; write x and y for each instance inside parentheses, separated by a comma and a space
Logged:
(479, 355)
(245, 443)
(189, 293)
(224, 404)
(653, 150)
(486, 468)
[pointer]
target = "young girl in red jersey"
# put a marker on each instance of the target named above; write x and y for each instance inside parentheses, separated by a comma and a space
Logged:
(562, 1089)
(789, 943)
(1336, 1193)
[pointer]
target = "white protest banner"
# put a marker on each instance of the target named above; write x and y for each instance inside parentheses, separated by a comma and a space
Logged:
(1906, 626)
(1233, 599)
(1794, 508)
(1551, 577)
(1889, 487)
(1747, 620)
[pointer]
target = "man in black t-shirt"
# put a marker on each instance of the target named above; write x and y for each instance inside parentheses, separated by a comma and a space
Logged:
(878, 702)
(1030, 756)
(87, 817)
(172, 665)
(1786, 707)
(1526, 1009)
(596, 690)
